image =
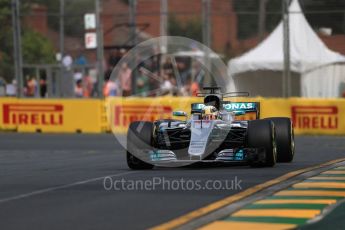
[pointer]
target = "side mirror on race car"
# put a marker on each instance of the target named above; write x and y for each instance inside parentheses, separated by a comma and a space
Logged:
(179, 114)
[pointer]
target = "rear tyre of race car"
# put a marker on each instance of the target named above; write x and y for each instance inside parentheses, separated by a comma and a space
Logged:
(261, 135)
(284, 138)
(139, 136)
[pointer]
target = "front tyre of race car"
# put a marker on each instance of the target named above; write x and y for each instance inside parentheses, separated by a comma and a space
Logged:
(284, 137)
(261, 134)
(139, 137)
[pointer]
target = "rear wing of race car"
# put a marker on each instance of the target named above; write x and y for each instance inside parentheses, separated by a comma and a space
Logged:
(243, 110)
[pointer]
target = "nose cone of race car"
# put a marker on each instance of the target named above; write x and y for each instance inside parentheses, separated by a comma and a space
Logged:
(200, 130)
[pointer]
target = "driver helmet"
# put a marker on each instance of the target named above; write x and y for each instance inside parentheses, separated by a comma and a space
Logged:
(209, 112)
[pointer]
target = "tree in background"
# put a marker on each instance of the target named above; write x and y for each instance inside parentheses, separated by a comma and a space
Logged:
(6, 45)
(35, 48)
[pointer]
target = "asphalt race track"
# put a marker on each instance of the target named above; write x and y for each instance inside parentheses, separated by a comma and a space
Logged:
(50, 181)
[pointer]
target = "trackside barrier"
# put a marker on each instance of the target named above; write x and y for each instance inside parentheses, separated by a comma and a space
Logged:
(53, 115)
(309, 116)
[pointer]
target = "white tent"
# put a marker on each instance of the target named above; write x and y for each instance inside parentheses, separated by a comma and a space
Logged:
(316, 70)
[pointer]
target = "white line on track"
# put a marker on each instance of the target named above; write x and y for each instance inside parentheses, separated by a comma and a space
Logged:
(46, 190)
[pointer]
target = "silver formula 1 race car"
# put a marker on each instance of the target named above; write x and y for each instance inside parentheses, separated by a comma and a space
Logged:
(212, 134)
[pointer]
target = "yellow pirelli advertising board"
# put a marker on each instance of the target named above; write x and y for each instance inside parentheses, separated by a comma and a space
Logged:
(309, 116)
(53, 115)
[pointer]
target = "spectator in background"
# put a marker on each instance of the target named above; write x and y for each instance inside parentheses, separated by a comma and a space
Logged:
(154, 63)
(77, 75)
(110, 88)
(183, 70)
(168, 67)
(195, 88)
(67, 61)
(166, 86)
(174, 90)
(125, 77)
(87, 85)
(78, 89)
(81, 60)
(108, 72)
(32, 86)
(43, 86)
(143, 85)
(11, 89)
(186, 89)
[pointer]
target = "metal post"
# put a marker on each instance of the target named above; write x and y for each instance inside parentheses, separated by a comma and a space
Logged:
(100, 50)
(62, 28)
(20, 54)
(286, 82)
(17, 45)
(62, 48)
(262, 18)
(206, 37)
(164, 25)
(344, 23)
(163, 33)
(133, 34)
(49, 82)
